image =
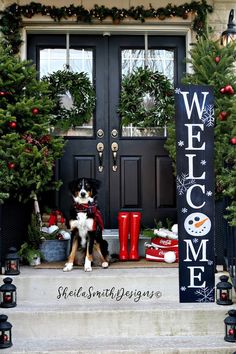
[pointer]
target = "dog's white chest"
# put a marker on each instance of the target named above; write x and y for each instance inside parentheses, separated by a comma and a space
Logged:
(84, 223)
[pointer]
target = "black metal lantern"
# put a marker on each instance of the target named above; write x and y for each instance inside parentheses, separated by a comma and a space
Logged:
(224, 291)
(12, 262)
(230, 34)
(7, 293)
(230, 327)
(5, 332)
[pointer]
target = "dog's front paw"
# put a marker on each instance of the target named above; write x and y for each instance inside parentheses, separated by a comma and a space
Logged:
(88, 269)
(105, 264)
(68, 267)
(87, 265)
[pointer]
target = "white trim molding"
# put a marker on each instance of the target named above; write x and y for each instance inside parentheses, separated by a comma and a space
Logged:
(150, 29)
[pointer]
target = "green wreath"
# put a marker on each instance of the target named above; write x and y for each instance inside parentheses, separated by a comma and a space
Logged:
(74, 98)
(154, 88)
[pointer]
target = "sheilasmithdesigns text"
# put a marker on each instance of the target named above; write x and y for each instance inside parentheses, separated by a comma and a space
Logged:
(113, 293)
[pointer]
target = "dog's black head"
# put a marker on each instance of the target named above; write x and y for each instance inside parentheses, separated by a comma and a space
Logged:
(84, 190)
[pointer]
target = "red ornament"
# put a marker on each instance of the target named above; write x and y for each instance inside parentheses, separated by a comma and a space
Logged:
(35, 110)
(223, 115)
(12, 125)
(233, 140)
(229, 89)
(217, 59)
(11, 165)
(231, 331)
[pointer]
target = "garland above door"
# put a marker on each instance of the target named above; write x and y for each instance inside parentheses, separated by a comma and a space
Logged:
(12, 17)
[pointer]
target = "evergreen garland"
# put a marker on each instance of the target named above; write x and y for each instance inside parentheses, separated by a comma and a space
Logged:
(79, 87)
(12, 17)
(134, 87)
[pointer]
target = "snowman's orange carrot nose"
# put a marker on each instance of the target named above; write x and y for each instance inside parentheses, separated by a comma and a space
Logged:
(200, 223)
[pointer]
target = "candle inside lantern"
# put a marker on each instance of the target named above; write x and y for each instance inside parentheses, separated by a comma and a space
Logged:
(13, 265)
(4, 338)
(7, 298)
(224, 296)
(231, 331)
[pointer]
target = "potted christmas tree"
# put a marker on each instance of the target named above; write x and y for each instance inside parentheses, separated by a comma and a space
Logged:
(28, 152)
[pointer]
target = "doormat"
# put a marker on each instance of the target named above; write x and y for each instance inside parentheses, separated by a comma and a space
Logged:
(143, 263)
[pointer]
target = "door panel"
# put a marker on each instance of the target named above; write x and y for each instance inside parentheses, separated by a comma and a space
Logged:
(137, 176)
(165, 187)
(130, 182)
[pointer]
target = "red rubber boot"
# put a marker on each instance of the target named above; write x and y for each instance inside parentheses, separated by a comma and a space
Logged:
(135, 219)
(123, 222)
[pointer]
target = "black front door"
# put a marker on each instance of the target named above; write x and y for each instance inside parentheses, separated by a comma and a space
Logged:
(131, 164)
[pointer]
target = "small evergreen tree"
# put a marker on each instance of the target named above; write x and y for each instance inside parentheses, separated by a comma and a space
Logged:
(213, 65)
(27, 150)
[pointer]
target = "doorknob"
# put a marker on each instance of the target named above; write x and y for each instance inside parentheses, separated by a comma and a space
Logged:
(100, 149)
(114, 149)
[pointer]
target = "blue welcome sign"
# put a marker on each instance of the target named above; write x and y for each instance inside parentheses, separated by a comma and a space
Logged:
(195, 192)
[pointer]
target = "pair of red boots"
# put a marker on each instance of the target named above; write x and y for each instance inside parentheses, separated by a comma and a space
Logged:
(129, 222)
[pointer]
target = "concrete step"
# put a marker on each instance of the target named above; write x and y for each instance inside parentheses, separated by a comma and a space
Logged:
(138, 322)
(64, 320)
(45, 285)
(111, 345)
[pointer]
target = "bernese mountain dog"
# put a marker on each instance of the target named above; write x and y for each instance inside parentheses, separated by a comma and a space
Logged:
(86, 224)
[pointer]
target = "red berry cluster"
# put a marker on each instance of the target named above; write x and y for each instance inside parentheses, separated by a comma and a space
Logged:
(45, 139)
(223, 115)
(228, 89)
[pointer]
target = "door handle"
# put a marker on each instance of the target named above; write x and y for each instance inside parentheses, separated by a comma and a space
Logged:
(114, 149)
(100, 149)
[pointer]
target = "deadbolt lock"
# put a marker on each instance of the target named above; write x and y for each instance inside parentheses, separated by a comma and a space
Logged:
(100, 133)
(114, 133)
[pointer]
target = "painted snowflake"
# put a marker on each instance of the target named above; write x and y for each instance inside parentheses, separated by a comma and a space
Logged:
(177, 90)
(203, 162)
(181, 143)
(195, 240)
(183, 288)
(209, 193)
(184, 210)
(183, 183)
(208, 115)
(205, 294)
(210, 262)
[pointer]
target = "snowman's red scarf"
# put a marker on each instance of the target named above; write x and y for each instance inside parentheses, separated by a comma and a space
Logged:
(92, 211)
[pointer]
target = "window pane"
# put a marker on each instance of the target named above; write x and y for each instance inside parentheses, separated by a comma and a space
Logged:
(161, 60)
(81, 60)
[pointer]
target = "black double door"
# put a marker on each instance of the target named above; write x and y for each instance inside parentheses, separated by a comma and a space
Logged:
(135, 170)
